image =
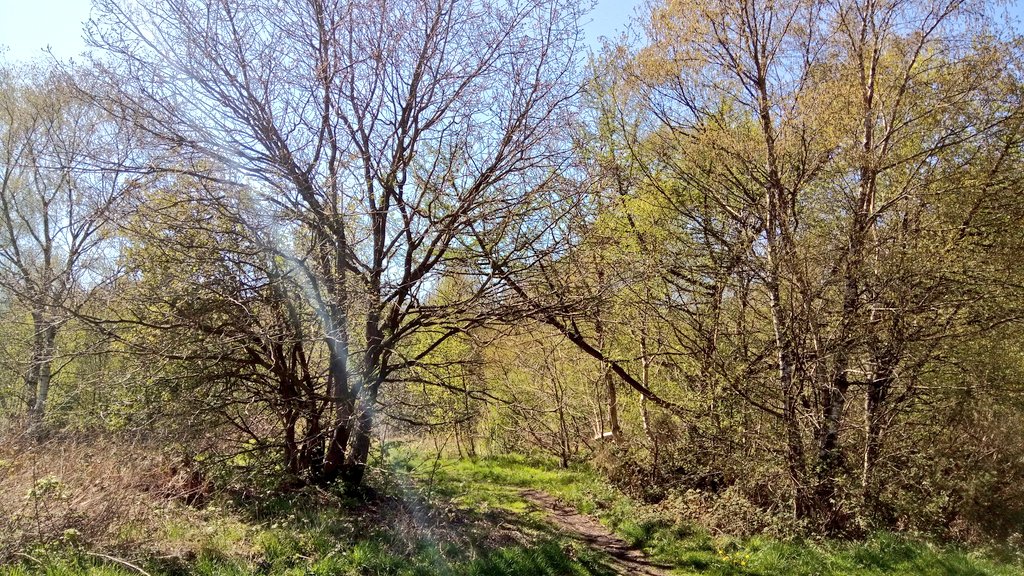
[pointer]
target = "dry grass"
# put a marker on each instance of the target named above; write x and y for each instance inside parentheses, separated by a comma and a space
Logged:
(112, 495)
(95, 490)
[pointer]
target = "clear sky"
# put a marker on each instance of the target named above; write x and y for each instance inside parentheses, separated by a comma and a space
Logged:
(27, 27)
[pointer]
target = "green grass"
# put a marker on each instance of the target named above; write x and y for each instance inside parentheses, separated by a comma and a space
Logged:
(466, 518)
(495, 483)
(365, 557)
(406, 531)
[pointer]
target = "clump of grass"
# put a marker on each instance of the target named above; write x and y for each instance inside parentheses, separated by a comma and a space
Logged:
(95, 490)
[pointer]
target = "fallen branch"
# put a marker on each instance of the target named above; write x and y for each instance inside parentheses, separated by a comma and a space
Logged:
(120, 561)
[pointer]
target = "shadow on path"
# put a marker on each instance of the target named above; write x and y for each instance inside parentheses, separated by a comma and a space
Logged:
(625, 559)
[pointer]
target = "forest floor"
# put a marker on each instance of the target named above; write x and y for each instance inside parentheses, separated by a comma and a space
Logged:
(425, 516)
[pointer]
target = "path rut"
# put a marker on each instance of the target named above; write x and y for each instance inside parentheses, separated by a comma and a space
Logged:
(625, 559)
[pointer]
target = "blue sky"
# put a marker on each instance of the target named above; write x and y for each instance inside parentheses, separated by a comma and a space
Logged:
(27, 27)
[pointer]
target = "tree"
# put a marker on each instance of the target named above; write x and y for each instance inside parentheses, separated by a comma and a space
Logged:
(59, 189)
(811, 153)
(375, 134)
(218, 329)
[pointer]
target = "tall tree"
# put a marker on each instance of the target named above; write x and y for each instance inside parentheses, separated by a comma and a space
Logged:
(59, 188)
(378, 133)
(808, 158)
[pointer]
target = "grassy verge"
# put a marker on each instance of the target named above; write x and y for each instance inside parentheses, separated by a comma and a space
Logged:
(456, 517)
(494, 483)
(405, 529)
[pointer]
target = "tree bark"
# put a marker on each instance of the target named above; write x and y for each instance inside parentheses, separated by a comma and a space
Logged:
(40, 372)
(611, 394)
(874, 400)
(355, 466)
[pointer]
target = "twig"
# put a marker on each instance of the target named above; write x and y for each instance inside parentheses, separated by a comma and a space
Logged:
(437, 461)
(120, 561)
(32, 558)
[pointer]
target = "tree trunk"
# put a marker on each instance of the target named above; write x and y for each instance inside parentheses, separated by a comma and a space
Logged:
(609, 378)
(645, 377)
(32, 385)
(342, 396)
(613, 405)
(291, 447)
(37, 384)
(341, 432)
(875, 395)
(803, 496)
(830, 458)
(563, 427)
(355, 465)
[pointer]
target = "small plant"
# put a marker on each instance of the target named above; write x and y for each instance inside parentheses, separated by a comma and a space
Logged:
(46, 488)
(733, 556)
(42, 496)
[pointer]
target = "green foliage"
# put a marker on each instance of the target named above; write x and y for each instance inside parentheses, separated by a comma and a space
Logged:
(801, 300)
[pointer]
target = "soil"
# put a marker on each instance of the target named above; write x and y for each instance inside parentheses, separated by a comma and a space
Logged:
(624, 559)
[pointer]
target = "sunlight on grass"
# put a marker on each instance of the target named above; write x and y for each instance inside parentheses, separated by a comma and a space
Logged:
(311, 533)
(496, 482)
(440, 517)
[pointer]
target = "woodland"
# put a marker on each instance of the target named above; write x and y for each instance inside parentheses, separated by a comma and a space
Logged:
(340, 286)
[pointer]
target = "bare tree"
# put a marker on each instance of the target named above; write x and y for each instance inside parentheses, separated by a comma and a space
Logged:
(374, 133)
(57, 196)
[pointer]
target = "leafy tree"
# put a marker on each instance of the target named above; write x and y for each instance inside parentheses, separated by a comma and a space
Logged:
(810, 157)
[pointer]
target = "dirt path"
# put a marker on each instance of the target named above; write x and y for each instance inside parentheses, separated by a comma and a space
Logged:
(625, 558)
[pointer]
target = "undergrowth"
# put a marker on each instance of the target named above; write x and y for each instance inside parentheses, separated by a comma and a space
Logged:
(438, 516)
(402, 528)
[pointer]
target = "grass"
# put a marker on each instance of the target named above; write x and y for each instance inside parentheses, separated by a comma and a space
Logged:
(463, 518)
(368, 556)
(495, 483)
(294, 550)
(406, 530)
